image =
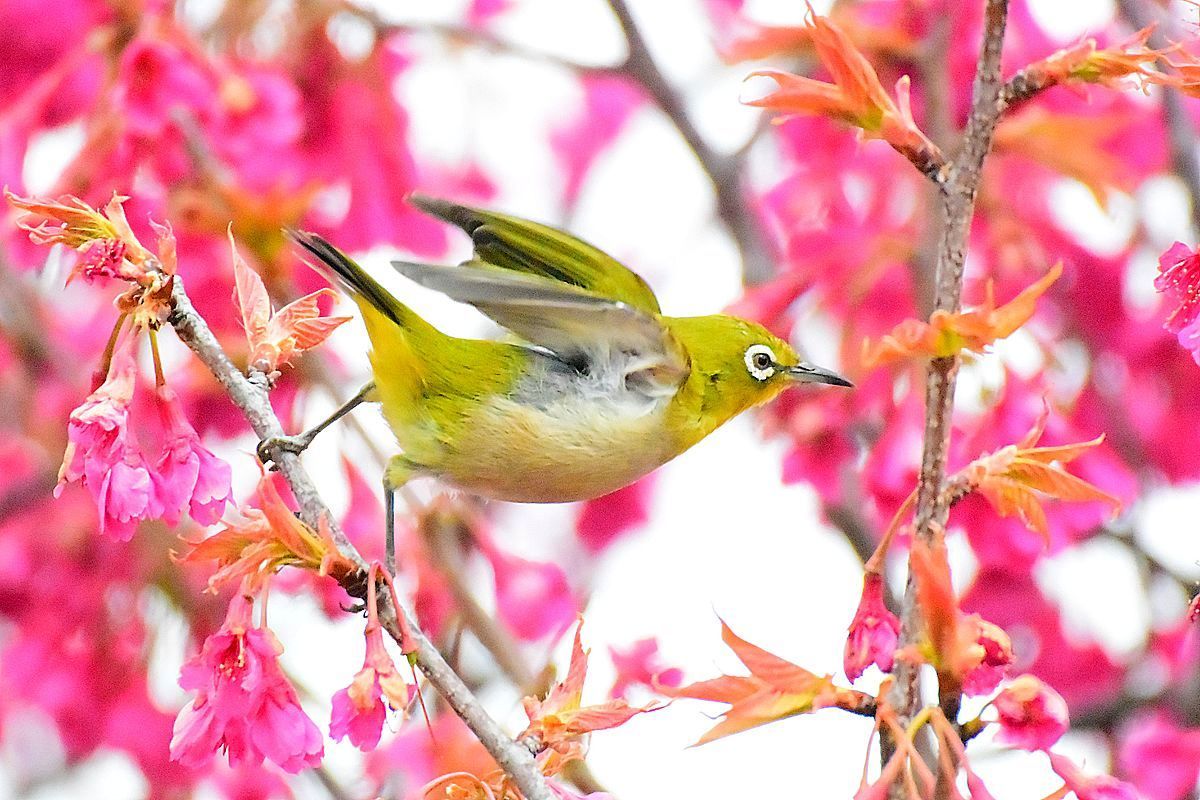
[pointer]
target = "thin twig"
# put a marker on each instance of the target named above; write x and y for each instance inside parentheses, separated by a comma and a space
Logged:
(250, 395)
(724, 172)
(957, 200)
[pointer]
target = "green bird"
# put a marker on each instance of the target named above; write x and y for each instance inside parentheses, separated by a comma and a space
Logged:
(600, 389)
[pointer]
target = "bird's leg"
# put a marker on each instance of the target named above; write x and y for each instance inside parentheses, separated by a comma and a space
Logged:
(399, 471)
(299, 443)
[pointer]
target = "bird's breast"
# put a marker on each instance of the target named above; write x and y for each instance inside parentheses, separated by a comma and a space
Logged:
(559, 449)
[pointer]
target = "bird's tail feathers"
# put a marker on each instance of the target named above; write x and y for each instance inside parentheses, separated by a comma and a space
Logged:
(339, 268)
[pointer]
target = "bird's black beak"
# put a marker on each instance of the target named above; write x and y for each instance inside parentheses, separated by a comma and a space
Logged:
(810, 373)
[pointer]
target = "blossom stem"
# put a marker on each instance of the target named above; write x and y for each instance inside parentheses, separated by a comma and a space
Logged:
(109, 349)
(250, 395)
(159, 379)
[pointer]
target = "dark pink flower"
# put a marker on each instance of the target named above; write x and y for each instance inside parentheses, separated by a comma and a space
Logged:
(1032, 715)
(874, 631)
(1160, 758)
(995, 655)
(641, 665)
(187, 474)
(243, 702)
(359, 710)
(533, 598)
(603, 520)
(1179, 280)
(1090, 787)
(103, 457)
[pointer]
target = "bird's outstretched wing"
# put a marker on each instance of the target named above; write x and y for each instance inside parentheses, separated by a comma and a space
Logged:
(528, 247)
(579, 326)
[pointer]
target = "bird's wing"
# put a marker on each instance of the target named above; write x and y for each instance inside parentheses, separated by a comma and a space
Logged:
(579, 326)
(532, 248)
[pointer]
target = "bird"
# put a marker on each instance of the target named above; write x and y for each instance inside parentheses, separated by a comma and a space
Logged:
(594, 388)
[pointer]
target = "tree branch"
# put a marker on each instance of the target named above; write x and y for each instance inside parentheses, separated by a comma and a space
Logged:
(723, 171)
(250, 395)
(957, 201)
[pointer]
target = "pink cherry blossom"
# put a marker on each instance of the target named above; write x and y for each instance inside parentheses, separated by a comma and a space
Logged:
(243, 704)
(1090, 787)
(187, 474)
(102, 455)
(995, 657)
(605, 519)
(359, 710)
(1159, 757)
(874, 631)
(641, 665)
(1032, 715)
(1179, 280)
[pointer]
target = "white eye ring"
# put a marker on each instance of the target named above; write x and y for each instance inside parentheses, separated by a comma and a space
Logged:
(759, 367)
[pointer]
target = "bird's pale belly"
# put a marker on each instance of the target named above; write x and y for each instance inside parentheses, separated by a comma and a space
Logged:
(558, 454)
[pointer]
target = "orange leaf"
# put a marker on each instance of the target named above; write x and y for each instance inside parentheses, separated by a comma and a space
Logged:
(946, 334)
(855, 96)
(275, 338)
(774, 689)
(559, 720)
(1012, 478)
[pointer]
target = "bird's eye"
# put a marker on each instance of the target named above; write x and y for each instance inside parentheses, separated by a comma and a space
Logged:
(760, 361)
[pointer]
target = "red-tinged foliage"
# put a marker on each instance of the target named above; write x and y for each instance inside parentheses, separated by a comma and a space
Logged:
(276, 337)
(855, 95)
(775, 689)
(1014, 478)
(558, 720)
(270, 537)
(947, 333)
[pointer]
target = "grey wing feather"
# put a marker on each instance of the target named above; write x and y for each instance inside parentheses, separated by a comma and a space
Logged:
(573, 323)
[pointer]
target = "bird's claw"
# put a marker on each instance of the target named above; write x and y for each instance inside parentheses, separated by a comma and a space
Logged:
(290, 444)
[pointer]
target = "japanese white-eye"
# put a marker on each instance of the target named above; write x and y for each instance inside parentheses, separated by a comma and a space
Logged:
(600, 389)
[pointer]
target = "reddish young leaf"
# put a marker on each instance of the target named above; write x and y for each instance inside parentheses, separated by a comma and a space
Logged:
(1015, 478)
(275, 338)
(946, 334)
(558, 720)
(774, 689)
(270, 537)
(855, 96)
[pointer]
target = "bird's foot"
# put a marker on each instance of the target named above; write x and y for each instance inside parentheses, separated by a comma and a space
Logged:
(290, 444)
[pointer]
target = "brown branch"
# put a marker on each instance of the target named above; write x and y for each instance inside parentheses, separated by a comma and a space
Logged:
(957, 202)
(723, 171)
(250, 395)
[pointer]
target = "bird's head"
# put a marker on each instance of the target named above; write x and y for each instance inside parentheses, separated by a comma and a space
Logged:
(742, 364)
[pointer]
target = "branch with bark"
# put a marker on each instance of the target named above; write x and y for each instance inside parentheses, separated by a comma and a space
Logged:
(250, 395)
(956, 196)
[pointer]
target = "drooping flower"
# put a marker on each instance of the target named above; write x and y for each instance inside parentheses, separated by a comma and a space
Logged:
(874, 631)
(986, 661)
(102, 456)
(1032, 715)
(359, 710)
(244, 704)
(1090, 787)
(187, 474)
(1179, 280)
